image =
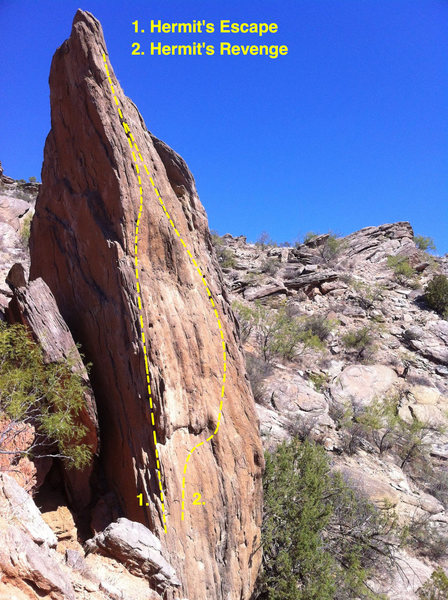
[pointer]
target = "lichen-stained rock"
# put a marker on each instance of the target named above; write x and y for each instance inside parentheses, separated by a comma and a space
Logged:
(82, 245)
(34, 305)
(17, 503)
(359, 385)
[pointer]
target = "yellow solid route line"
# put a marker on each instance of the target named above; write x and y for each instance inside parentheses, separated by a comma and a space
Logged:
(133, 145)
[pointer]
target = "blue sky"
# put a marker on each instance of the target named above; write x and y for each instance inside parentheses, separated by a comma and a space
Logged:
(349, 129)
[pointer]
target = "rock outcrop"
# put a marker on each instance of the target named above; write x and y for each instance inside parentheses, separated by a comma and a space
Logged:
(13, 212)
(82, 246)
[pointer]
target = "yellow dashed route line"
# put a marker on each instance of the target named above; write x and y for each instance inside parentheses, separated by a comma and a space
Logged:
(133, 146)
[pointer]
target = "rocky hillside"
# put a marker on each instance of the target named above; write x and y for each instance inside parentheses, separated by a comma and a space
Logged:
(117, 278)
(366, 374)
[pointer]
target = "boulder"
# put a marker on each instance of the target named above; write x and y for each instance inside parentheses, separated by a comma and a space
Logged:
(374, 488)
(359, 385)
(138, 549)
(431, 342)
(32, 568)
(17, 503)
(255, 293)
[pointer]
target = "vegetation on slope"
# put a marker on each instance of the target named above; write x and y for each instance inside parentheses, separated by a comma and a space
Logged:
(39, 403)
(321, 539)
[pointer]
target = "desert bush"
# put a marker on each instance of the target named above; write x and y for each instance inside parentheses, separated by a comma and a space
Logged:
(424, 243)
(38, 397)
(226, 256)
(361, 342)
(368, 296)
(257, 371)
(319, 380)
(436, 588)
(310, 235)
(26, 228)
(436, 483)
(424, 537)
(319, 326)
(321, 539)
(403, 271)
(381, 425)
(436, 294)
(246, 319)
(32, 179)
(331, 248)
(270, 266)
(276, 332)
(265, 241)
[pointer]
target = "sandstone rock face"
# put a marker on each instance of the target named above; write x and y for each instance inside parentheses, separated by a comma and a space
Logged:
(82, 246)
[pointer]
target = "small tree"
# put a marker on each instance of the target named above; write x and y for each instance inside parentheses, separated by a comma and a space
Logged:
(320, 538)
(361, 342)
(264, 240)
(436, 295)
(436, 588)
(39, 403)
(402, 268)
(424, 243)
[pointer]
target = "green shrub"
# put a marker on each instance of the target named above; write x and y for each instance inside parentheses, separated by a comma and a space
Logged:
(226, 256)
(426, 539)
(331, 248)
(321, 540)
(270, 266)
(319, 380)
(436, 588)
(257, 371)
(401, 267)
(32, 179)
(436, 294)
(47, 397)
(276, 332)
(310, 235)
(319, 326)
(26, 228)
(368, 296)
(424, 243)
(361, 341)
